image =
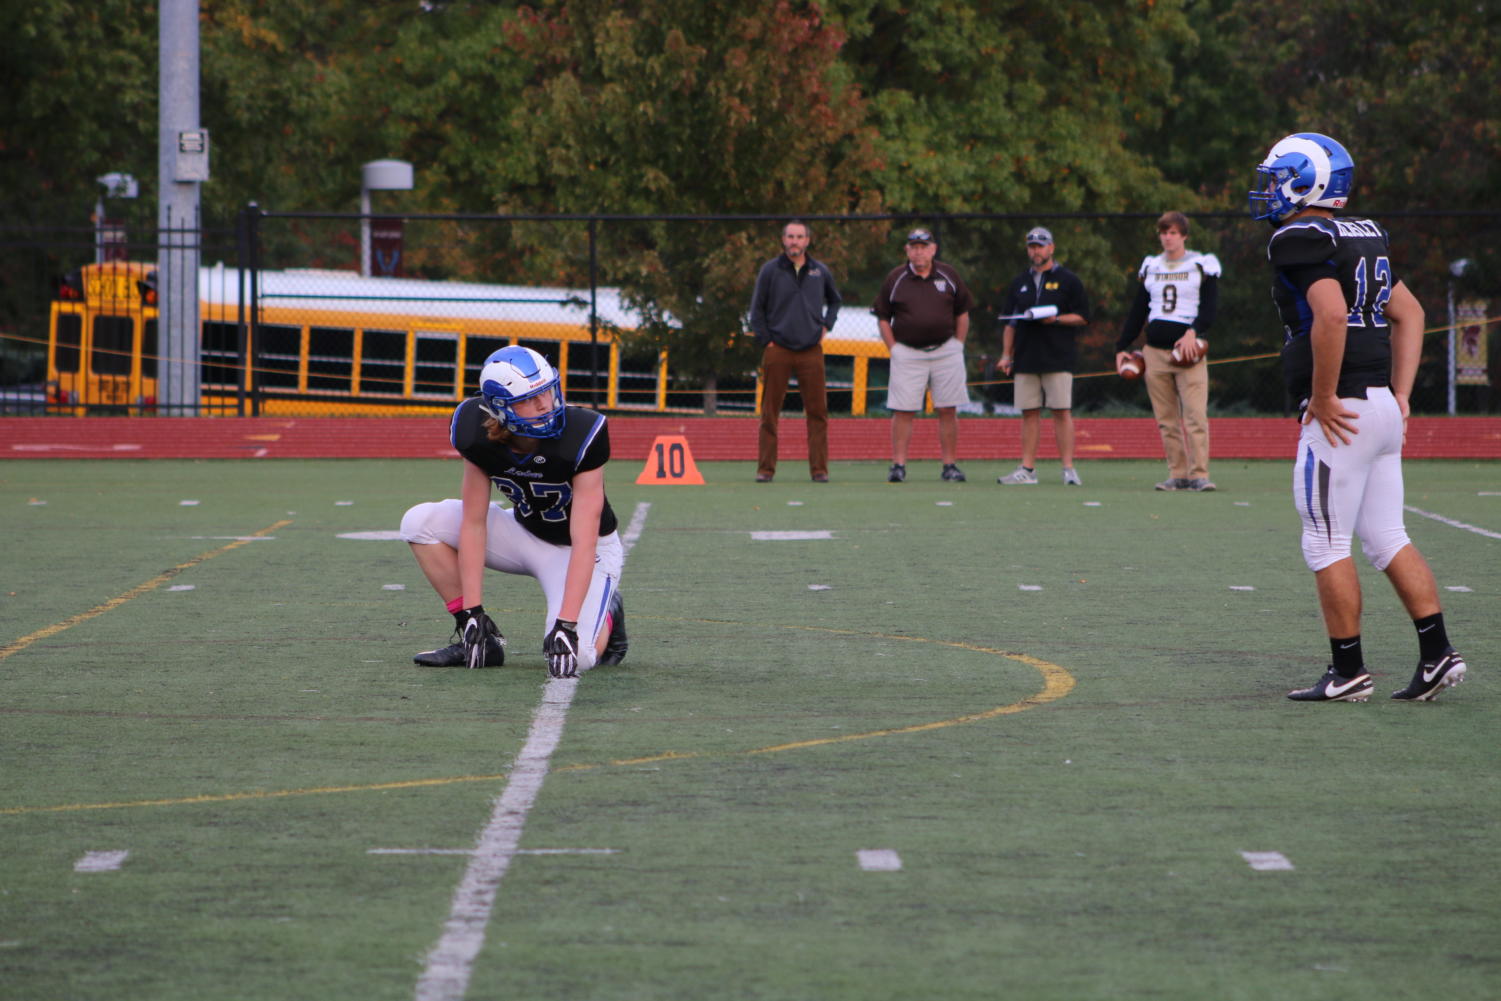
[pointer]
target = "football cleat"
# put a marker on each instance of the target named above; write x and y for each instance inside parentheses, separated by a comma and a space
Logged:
(1021, 474)
(1203, 485)
(897, 474)
(1335, 688)
(453, 654)
(1071, 478)
(1173, 483)
(951, 473)
(1432, 677)
(616, 645)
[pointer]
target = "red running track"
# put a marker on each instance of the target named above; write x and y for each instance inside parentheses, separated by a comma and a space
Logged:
(709, 438)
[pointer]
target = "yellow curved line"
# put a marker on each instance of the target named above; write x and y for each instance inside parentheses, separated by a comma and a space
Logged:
(1057, 683)
(135, 592)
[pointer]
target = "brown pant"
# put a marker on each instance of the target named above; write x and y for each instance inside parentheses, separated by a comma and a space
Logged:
(778, 366)
(1180, 401)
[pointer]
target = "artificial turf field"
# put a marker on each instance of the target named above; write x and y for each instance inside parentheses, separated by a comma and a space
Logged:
(1059, 710)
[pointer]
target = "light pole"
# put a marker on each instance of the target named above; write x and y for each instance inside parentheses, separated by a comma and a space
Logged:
(378, 175)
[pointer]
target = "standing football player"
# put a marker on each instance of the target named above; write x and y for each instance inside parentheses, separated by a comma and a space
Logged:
(548, 460)
(1353, 339)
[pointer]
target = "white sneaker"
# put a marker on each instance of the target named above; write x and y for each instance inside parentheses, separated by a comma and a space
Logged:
(1021, 474)
(1071, 478)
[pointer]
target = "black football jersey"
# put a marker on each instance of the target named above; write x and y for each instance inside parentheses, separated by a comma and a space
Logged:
(538, 484)
(1353, 252)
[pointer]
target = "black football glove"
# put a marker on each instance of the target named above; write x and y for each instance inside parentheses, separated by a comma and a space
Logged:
(475, 633)
(562, 649)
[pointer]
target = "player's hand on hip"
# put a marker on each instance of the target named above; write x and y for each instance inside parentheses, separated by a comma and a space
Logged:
(562, 649)
(1336, 422)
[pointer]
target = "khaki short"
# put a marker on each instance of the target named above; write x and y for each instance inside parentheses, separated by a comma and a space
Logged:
(1054, 390)
(914, 371)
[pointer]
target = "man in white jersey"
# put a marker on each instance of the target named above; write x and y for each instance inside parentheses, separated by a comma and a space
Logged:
(1177, 296)
(1353, 339)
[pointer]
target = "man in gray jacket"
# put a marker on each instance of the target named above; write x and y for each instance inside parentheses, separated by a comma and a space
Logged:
(793, 307)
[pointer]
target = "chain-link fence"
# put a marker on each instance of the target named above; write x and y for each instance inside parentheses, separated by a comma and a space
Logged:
(647, 314)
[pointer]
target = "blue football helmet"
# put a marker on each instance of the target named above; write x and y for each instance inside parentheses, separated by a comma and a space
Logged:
(1304, 170)
(513, 374)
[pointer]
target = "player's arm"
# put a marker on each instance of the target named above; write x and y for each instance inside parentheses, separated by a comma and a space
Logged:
(884, 326)
(1327, 338)
(961, 327)
(1406, 316)
(1008, 345)
(562, 642)
(473, 531)
(1141, 306)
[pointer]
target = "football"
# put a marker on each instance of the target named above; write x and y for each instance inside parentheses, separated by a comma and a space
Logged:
(1133, 367)
(1203, 350)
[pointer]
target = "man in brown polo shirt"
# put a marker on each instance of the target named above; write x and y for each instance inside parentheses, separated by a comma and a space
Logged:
(922, 311)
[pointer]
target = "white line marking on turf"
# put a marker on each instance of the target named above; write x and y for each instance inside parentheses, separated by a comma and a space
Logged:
(100, 861)
(470, 851)
(187, 503)
(1488, 493)
(879, 860)
(1092, 504)
(384, 535)
(446, 974)
(1452, 523)
(944, 503)
(1266, 861)
(1459, 587)
(183, 587)
(343, 503)
(37, 503)
(393, 587)
(818, 587)
(1029, 587)
(1241, 587)
(791, 536)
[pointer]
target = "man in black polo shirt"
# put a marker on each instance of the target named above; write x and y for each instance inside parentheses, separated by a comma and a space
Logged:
(922, 311)
(1044, 352)
(793, 306)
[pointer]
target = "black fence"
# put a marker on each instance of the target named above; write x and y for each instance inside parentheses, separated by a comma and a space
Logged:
(651, 309)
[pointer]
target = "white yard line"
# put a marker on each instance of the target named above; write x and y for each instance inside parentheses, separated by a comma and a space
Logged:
(445, 976)
(100, 861)
(1452, 523)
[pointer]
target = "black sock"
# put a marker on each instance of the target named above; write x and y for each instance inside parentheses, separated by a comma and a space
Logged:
(1348, 660)
(1432, 639)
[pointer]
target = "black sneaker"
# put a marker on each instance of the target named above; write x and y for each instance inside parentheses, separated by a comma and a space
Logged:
(1335, 688)
(1433, 676)
(952, 473)
(615, 646)
(453, 654)
(897, 474)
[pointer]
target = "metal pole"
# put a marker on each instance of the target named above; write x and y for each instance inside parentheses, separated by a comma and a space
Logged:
(593, 315)
(1452, 346)
(178, 221)
(364, 231)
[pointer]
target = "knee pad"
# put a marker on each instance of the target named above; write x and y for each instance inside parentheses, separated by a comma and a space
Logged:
(1322, 549)
(418, 525)
(1382, 547)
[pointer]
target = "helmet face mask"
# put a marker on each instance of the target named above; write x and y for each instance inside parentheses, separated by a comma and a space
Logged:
(514, 374)
(1303, 170)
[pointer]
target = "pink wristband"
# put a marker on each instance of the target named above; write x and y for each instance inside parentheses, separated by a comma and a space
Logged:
(456, 604)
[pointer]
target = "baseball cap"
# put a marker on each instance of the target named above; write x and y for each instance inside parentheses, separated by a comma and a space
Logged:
(1037, 234)
(919, 236)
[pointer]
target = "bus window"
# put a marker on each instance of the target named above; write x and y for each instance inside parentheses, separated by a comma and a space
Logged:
(114, 338)
(437, 354)
(69, 336)
(148, 350)
(383, 361)
(330, 358)
(220, 359)
(277, 357)
(476, 350)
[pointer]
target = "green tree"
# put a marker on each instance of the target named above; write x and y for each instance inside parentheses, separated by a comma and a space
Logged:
(680, 107)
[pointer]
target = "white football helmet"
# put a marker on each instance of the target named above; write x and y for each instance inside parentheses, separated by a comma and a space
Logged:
(1303, 170)
(513, 374)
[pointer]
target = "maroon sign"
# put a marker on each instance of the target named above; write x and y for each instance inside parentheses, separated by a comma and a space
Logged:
(385, 247)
